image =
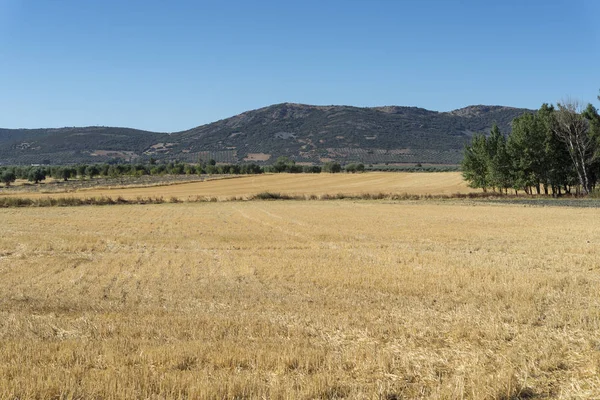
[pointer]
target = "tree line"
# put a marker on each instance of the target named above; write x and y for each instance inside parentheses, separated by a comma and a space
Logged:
(36, 174)
(555, 150)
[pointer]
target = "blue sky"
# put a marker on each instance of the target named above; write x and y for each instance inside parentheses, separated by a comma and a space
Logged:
(172, 65)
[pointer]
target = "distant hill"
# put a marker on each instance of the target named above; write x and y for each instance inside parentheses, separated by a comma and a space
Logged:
(305, 133)
(71, 145)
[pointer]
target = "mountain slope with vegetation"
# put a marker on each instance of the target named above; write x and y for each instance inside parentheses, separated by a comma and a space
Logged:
(304, 133)
(71, 145)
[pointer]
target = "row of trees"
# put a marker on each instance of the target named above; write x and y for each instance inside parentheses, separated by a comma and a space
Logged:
(553, 150)
(285, 164)
(84, 171)
(36, 173)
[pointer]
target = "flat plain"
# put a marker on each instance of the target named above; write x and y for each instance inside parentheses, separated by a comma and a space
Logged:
(300, 300)
(436, 183)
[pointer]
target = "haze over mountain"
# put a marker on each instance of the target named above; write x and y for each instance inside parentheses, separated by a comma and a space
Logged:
(305, 133)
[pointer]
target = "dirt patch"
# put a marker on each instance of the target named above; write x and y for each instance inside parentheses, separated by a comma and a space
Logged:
(257, 157)
(112, 153)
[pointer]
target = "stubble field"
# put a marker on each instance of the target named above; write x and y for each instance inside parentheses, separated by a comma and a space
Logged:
(300, 299)
(434, 183)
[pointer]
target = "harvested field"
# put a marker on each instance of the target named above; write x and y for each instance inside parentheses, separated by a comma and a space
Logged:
(293, 184)
(282, 300)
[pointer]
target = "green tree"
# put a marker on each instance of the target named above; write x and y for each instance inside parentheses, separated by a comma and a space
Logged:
(8, 177)
(353, 168)
(311, 169)
(284, 164)
(36, 175)
(475, 163)
(81, 171)
(527, 150)
(177, 169)
(65, 173)
(499, 173)
(189, 169)
(92, 171)
(332, 167)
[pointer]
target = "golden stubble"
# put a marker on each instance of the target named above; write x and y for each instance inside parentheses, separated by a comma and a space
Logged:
(434, 183)
(337, 299)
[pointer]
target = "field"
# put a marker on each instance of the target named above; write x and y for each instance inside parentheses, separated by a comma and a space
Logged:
(293, 184)
(300, 300)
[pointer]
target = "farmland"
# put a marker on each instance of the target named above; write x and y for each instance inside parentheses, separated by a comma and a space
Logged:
(300, 299)
(292, 184)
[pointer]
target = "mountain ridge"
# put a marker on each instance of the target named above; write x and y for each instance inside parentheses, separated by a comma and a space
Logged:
(303, 132)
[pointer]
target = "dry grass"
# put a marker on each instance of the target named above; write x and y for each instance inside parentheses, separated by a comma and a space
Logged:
(441, 183)
(308, 300)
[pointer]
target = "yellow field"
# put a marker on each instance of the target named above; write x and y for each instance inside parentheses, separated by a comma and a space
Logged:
(300, 300)
(294, 184)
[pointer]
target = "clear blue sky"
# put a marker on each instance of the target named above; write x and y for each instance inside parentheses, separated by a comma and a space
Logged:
(172, 65)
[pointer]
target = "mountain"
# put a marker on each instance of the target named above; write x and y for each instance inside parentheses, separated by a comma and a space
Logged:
(305, 133)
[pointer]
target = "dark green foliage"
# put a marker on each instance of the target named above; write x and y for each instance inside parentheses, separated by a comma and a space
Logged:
(475, 163)
(311, 169)
(283, 164)
(92, 171)
(36, 175)
(7, 177)
(500, 174)
(332, 167)
(550, 151)
(177, 169)
(250, 169)
(65, 173)
(189, 169)
(353, 168)
(81, 170)
(527, 149)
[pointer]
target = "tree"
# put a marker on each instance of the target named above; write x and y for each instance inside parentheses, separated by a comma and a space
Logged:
(350, 168)
(81, 170)
(92, 170)
(527, 151)
(189, 169)
(353, 168)
(311, 169)
(8, 177)
(332, 167)
(499, 162)
(36, 175)
(559, 172)
(573, 129)
(284, 164)
(475, 163)
(66, 173)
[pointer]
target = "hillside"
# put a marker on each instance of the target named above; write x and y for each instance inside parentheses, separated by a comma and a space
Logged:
(305, 133)
(70, 145)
